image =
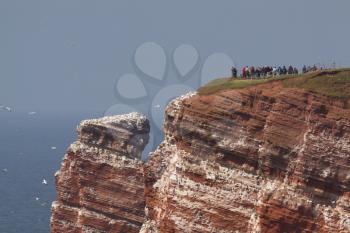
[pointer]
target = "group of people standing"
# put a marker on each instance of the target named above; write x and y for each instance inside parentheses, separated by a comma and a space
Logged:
(310, 68)
(264, 71)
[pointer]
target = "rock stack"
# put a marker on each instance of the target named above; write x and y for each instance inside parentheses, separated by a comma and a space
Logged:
(100, 186)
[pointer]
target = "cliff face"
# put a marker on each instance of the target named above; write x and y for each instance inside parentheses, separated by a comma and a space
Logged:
(100, 185)
(260, 159)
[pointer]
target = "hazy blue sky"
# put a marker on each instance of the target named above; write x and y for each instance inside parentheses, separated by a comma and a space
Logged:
(66, 55)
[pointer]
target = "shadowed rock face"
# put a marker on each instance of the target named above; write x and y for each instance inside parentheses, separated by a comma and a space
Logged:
(263, 159)
(100, 186)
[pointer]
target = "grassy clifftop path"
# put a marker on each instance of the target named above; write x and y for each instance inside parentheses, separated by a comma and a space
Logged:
(332, 83)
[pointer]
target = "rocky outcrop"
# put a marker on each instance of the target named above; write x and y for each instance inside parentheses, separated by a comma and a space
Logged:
(261, 159)
(100, 186)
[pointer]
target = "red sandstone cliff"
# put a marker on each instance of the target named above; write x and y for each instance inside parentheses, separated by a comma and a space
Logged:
(100, 184)
(261, 159)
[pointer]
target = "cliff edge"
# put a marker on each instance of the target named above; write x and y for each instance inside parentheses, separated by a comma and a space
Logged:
(272, 157)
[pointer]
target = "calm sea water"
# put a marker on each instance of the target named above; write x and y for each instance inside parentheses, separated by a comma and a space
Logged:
(26, 153)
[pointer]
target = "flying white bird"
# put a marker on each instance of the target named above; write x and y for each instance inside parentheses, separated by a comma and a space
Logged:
(44, 182)
(6, 108)
(31, 113)
(53, 148)
(157, 106)
(37, 198)
(4, 170)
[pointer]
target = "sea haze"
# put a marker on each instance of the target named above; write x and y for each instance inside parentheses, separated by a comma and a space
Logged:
(26, 158)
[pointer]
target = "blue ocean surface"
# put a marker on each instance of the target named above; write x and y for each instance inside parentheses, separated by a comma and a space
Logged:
(26, 158)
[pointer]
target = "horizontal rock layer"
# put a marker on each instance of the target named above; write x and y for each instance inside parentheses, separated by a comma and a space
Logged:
(100, 186)
(261, 159)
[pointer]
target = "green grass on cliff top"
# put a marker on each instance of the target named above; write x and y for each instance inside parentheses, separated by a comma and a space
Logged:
(333, 83)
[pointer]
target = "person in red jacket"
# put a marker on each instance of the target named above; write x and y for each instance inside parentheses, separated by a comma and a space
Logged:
(244, 72)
